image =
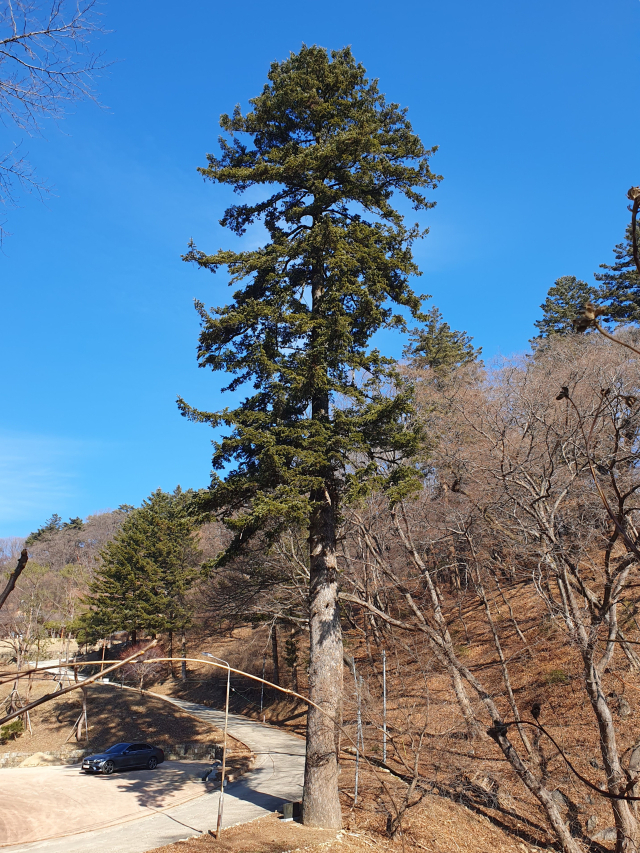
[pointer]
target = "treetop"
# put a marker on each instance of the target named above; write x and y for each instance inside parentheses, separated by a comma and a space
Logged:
(323, 132)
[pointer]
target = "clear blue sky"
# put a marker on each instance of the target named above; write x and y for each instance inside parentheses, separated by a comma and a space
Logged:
(535, 109)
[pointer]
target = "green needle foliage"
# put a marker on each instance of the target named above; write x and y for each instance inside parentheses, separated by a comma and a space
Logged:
(620, 287)
(562, 306)
(52, 526)
(619, 292)
(146, 570)
(333, 152)
(440, 348)
(326, 416)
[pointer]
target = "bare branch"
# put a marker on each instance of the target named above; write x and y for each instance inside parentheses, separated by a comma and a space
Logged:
(45, 65)
(13, 577)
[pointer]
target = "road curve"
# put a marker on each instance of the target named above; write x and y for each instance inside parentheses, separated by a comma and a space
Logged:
(276, 777)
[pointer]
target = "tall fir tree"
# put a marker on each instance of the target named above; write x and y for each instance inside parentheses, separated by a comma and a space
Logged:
(440, 348)
(562, 306)
(146, 570)
(620, 288)
(337, 262)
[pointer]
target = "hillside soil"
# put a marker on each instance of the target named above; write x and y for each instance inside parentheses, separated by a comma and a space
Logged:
(438, 827)
(245, 649)
(114, 715)
(469, 778)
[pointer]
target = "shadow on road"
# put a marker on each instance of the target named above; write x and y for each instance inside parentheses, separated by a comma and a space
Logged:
(157, 789)
(242, 791)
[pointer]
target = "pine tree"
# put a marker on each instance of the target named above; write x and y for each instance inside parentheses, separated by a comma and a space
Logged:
(336, 264)
(437, 347)
(620, 288)
(51, 525)
(146, 570)
(562, 306)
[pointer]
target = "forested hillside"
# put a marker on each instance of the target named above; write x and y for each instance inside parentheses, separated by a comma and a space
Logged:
(502, 593)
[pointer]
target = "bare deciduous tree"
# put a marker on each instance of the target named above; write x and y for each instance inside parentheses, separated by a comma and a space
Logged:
(145, 667)
(46, 64)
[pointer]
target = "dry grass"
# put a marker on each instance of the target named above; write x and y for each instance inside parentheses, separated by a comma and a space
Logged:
(439, 827)
(114, 715)
(485, 804)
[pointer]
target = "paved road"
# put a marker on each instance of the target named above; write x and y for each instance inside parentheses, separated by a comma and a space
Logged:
(276, 778)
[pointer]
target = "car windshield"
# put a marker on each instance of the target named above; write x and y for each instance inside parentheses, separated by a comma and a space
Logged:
(118, 747)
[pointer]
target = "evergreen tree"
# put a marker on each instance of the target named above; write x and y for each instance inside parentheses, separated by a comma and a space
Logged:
(146, 570)
(438, 347)
(337, 261)
(620, 288)
(562, 306)
(52, 525)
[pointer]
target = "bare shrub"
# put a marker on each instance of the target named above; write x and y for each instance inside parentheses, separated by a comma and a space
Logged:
(145, 668)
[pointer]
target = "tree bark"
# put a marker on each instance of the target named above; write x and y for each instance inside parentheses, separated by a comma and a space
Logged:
(294, 664)
(274, 653)
(625, 821)
(13, 577)
(85, 720)
(183, 653)
(562, 831)
(321, 804)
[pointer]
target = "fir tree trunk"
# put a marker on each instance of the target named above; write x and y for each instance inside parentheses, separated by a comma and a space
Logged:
(274, 652)
(183, 652)
(321, 804)
(171, 653)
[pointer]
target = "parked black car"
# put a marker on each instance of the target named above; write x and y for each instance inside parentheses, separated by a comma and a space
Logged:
(122, 756)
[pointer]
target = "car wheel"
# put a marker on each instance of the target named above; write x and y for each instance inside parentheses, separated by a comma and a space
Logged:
(108, 768)
(152, 763)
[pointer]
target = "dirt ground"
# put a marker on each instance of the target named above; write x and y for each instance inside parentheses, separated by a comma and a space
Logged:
(439, 827)
(483, 807)
(114, 715)
(244, 648)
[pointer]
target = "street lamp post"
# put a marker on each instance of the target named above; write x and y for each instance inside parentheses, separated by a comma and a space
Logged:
(224, 745)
